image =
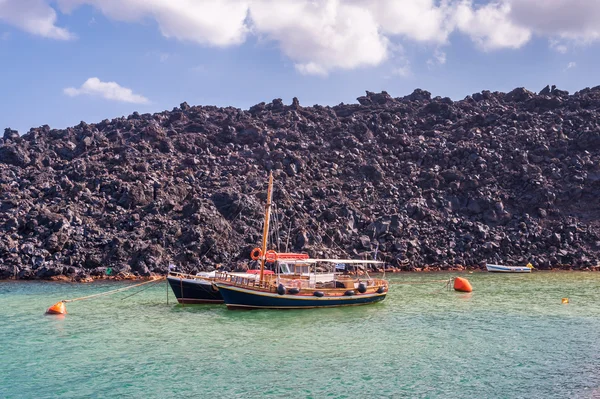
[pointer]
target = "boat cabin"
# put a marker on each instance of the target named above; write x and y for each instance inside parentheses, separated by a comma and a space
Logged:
(294, 268)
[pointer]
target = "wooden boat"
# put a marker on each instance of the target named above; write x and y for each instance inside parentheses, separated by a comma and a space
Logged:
(509, 269)
(199, 288)
(302, 287)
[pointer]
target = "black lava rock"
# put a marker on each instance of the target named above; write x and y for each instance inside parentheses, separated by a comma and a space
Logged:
(500, 178)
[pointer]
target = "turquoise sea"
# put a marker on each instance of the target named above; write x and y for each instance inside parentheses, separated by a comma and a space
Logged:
(511, 338)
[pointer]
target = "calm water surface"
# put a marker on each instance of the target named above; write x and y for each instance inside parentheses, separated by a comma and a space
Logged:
(510, 338)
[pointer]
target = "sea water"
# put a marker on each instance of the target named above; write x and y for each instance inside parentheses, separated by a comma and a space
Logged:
(512, 337)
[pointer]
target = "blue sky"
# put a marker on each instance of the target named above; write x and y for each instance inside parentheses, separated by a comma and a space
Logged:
(322, 52)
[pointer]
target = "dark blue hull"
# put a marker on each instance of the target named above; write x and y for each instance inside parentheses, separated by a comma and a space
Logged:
(192, 291)
(236, 297)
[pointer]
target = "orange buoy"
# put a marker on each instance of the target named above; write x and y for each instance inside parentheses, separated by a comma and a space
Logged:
(462, 285)
(57, 308)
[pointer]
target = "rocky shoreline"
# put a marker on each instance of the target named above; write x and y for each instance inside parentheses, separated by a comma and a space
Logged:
(427, 183)
(153, 276)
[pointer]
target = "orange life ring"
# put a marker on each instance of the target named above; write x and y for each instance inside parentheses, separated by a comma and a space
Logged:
(271, 256)
(256, 253)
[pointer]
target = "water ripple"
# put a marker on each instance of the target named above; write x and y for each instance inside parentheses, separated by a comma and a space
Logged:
(510, 338)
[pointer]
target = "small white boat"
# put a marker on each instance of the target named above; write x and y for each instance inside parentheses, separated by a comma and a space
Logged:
(509, 269)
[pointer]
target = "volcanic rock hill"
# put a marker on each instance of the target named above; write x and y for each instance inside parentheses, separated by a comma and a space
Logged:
(497, 177)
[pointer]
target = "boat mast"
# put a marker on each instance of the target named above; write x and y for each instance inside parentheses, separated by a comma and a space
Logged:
(266, 228)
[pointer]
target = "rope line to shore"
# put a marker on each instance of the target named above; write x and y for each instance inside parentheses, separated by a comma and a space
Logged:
(112, 291)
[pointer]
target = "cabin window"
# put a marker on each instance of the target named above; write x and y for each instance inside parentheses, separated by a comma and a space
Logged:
(301, 269)
(284, 268)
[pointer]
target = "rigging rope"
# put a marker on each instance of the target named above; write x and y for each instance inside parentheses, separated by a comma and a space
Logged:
(277, 235)
(292, 218)
(287, 241)
(332, 240)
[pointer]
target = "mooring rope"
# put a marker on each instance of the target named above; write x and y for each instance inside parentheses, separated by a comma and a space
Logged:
(112, 291)
(144, 289)
(446, 286)
(419, 282)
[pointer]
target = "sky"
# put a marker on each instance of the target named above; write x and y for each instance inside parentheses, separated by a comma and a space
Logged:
(66, 61)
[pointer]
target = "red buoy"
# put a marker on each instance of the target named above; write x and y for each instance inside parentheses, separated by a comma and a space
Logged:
(462, 285)
(57, 308)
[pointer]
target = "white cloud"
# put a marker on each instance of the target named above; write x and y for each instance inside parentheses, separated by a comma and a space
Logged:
(214, 23)
(558, 46)
(571, 65)
(33, 16)
(403, 71)
(160, 55)
(319, 36)
(439, 58)
(108, 90)
(420, 20)
(490, 26)
(311, 68)
(568, 19)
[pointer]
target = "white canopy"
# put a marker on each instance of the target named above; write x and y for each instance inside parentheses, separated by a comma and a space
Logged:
(347, 261)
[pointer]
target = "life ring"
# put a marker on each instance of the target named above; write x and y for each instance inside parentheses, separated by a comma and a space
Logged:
(271, 256)
(256, 254)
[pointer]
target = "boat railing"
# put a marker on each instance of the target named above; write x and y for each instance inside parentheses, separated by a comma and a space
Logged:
(242, 281)
(187, 276)
(267, 284)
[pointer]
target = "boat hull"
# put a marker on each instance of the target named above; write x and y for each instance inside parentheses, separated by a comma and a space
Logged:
(508, 269)
(236, 297)
(194, 291)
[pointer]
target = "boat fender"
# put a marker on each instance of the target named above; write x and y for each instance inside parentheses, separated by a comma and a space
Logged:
(214, 287)
(362, 288)
(318, 294)
(381, 290)
(281, 289)
(349, 293)
(293, 291)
